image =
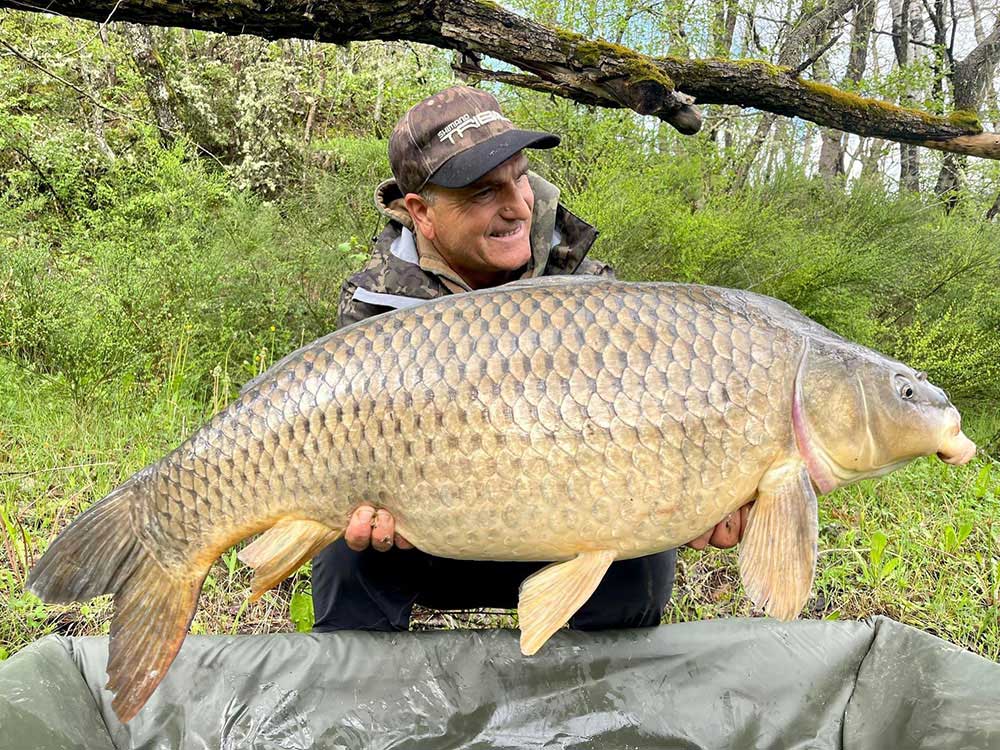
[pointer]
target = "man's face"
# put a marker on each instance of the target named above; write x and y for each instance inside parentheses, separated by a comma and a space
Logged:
(481, 230)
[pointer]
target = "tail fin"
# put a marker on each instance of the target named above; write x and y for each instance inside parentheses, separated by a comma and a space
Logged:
(96, 555)
(100, 554)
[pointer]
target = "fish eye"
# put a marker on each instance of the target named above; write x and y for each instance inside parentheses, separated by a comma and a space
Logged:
(904, 388)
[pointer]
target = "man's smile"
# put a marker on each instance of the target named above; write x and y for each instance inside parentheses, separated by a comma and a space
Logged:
(509, 233)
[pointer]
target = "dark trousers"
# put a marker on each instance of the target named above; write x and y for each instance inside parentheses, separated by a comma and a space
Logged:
(377, 590)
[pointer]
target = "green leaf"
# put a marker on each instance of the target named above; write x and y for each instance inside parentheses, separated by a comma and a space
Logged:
(877, 545)
(300, 611)
(950, 538)
(964, 529)
(982, 481)
(890, 566)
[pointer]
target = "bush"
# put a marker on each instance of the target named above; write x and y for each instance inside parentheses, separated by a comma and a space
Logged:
(170, 260)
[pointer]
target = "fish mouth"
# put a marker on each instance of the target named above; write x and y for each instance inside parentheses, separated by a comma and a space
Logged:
(957, 450)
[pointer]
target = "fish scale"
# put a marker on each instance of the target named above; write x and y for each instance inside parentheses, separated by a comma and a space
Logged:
(522, 433)
(565, 419)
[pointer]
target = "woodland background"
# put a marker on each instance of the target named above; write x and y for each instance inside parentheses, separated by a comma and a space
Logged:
(178, 209)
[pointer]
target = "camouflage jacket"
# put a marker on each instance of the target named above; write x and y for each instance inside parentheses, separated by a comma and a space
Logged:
(396, 276)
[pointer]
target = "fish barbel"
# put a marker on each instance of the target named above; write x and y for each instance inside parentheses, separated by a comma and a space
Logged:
(559, 419)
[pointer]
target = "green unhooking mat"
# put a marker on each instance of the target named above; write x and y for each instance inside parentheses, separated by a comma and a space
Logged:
(722, 684)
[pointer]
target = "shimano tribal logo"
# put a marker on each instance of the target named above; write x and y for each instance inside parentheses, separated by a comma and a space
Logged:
(467, 122)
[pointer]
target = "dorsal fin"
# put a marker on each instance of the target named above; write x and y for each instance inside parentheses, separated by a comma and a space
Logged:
(552, 281)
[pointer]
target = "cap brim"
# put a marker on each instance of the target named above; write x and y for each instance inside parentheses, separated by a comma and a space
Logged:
(468, 166)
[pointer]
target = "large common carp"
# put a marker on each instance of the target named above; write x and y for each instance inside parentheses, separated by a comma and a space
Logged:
(576, 421)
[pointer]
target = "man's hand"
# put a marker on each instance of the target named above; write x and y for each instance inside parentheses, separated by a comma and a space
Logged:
(373, 527)
(727, 533)
(377, 528)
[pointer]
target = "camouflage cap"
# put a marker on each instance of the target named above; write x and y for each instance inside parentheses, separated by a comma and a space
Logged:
(455, 137)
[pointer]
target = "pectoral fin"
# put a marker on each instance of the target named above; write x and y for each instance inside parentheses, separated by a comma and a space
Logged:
(778, 551)
(281, 550)
(549, 597)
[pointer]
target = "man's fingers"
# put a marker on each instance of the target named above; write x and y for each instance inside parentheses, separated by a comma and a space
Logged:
(702, 541)
(383, 530)
(402, 542)
(358, 534)
(726, 532)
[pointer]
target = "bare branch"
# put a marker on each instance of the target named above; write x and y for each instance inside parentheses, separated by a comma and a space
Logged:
(914, 42)
(808, 62)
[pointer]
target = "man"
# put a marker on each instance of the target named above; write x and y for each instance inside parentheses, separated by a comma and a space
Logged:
(465, 213)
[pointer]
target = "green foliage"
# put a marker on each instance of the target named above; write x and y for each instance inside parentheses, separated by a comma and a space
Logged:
(170, 273)
(957, 348)
(240, 98)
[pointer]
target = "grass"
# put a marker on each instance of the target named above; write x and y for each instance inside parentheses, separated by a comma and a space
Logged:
(921, 545)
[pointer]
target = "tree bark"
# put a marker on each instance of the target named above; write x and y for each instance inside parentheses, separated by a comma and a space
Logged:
(991, 93)
(742, 170)
(154, 77)
(558, 62)
(807, 30)
(724, 27)
(871, 158)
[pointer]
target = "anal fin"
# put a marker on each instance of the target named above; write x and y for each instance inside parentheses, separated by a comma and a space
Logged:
(778, 551)
(551, 596)
(281, 550)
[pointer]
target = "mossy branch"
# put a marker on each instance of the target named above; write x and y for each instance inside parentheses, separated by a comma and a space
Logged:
(559, 62)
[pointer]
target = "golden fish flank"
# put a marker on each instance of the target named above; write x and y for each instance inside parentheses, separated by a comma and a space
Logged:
(566, 419)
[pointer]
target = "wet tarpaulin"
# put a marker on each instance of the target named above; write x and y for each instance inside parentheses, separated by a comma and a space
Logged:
(721, 684)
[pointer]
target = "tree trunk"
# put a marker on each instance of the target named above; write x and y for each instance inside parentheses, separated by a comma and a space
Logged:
(949, 180)
(559, 62)
(314, 100)
(807, 145)
(744, 164)
(969, 78)
(871, 159)
(831, 154)
(154, 77)
(94, 80)
(909, 168)
(808, 30)
(831, 157)
(909, 164)
(724, 27)
(994, 209)
(991, 92)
